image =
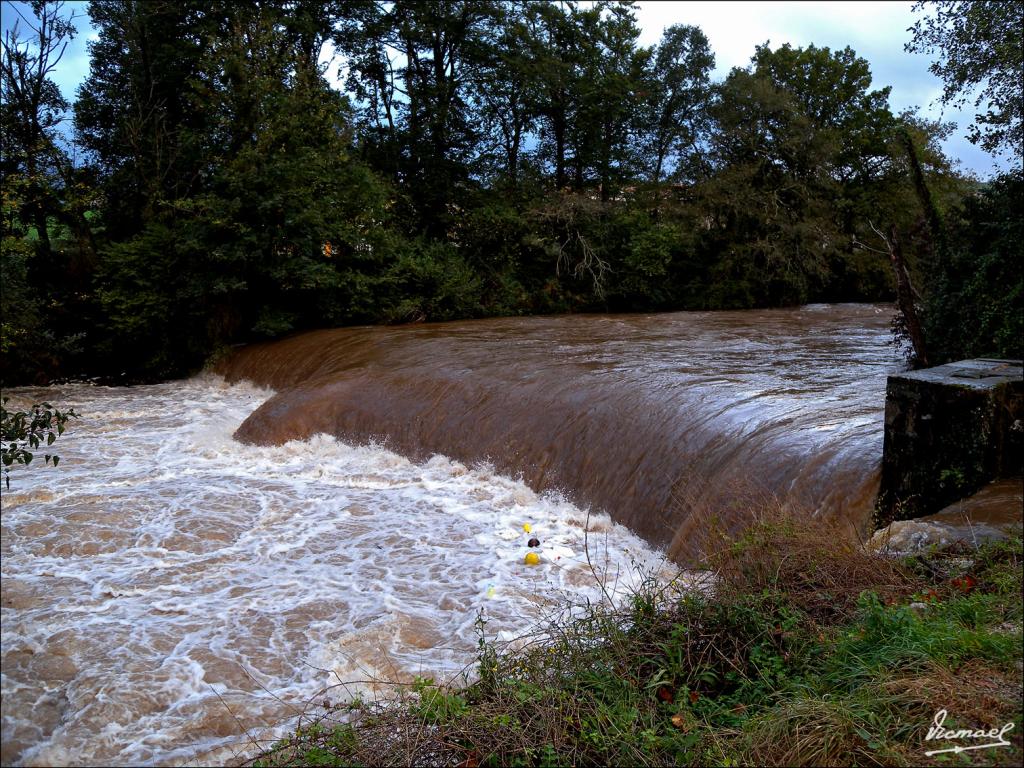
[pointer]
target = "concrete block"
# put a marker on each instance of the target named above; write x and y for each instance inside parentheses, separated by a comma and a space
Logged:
(949, 430)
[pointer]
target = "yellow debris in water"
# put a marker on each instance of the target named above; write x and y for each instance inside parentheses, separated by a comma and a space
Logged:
(527, 527)
(532, 558)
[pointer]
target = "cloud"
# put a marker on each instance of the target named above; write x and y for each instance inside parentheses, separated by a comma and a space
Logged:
(877, 31)
(74, 64)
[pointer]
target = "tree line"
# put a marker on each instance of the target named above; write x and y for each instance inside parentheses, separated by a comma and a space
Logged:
(481, 158)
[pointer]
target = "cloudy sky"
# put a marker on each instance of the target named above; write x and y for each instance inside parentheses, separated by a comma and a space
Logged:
(877, 31)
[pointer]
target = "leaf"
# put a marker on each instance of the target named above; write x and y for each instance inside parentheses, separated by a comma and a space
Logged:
(50, 438)
(680, 721)
(55, 460)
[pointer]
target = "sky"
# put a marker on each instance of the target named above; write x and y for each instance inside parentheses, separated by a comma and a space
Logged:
(877, 31)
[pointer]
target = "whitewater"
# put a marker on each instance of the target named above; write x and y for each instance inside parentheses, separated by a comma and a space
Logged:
(173, 596)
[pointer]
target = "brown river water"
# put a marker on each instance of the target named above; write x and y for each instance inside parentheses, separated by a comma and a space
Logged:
(171, 593)
(648, 417)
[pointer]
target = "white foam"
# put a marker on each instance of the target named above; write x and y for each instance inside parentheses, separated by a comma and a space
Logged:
(182, 573)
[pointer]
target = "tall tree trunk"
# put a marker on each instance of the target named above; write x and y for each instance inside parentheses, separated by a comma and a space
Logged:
(513, 156)
(39, 219)
(558, 120)
(658, 164)
(905, 298)
(924, 195)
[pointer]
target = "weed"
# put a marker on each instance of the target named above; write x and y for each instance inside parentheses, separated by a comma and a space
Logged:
(805, 652)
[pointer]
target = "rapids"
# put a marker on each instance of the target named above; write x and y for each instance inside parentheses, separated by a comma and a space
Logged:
(660, 420)
(169, 593)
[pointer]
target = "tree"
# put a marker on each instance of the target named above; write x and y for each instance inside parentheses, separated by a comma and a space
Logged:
(139, 113)
(832, 90)
(980, 45)
(800, 142)
(590, 71)
(289, 221)
(412, 64)
(250, 214)
(32, 107)
(769, 203)
(974, 302)
(22, 430)
(143, 116)
(609, 114)
(676, 93)
(507, 89)
(47, 241)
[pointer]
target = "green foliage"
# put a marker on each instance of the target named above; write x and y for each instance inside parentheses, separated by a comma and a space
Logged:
(897, 636)
(800, 143)
(21, 323)
(320, 746)
(24, 430)
(675, 99)
(998, 565)
(496, 159)
(45, 252)
(981, 54)
(974, 293)
(261, 222)
(432, 281)
(436, 705)
(645, 271)
(141, 280)
(41, 323)
(32, 108)
(426, 135)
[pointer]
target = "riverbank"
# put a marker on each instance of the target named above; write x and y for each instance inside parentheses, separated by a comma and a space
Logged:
(804, 651)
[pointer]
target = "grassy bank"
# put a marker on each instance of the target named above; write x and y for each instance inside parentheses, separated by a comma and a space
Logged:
(806, 651)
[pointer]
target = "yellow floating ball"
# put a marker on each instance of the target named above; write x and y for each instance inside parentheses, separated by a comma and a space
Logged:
(527, 527)
(532, 558)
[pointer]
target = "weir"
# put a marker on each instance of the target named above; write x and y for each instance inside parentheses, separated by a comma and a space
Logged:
(663, 421)
(140, 589)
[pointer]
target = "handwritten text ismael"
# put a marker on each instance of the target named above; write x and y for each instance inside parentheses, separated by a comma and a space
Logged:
(938, 731)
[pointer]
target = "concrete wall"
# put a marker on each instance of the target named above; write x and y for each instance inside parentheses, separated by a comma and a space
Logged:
(948, 431)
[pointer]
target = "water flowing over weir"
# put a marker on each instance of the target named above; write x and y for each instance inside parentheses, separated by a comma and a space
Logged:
(648, 417)
(168, 588)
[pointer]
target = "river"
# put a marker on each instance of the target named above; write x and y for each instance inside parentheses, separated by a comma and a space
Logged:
(171, 592)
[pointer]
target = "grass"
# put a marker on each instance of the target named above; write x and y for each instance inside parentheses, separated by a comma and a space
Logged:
(806, 651)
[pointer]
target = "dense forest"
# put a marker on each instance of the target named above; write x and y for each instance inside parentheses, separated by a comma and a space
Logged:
(208, 186)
